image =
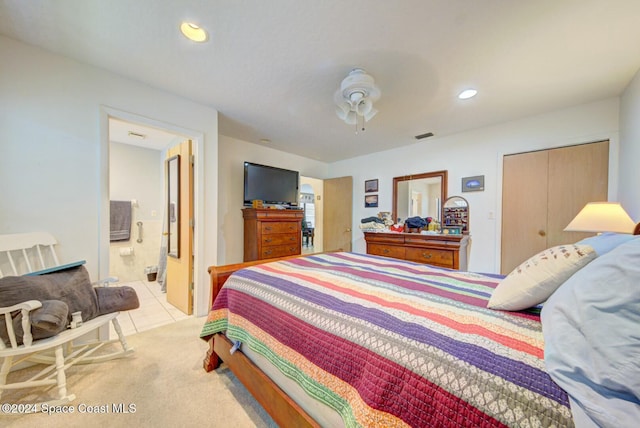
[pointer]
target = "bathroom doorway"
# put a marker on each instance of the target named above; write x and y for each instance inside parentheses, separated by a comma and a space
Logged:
(137, 183)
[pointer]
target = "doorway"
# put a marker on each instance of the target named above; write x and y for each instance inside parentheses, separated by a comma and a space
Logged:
(135, 149)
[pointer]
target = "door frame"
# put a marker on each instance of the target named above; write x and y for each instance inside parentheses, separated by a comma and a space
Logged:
(200, 277)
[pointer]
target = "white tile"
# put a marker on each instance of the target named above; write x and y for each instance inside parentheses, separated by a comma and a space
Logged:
(154, 310)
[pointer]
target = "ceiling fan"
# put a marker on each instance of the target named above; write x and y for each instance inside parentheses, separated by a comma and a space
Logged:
(355, 98)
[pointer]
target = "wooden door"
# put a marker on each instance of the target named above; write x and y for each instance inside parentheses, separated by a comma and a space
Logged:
(338, 200)
(542, 192)
(179, 274)
(579, 175)
(524, 207)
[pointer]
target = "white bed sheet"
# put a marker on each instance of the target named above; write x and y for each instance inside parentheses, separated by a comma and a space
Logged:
(320, 412)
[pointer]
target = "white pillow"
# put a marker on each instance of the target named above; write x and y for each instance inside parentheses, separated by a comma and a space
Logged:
(535, 280)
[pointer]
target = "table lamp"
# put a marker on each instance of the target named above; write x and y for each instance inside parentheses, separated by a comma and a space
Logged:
(601, 217)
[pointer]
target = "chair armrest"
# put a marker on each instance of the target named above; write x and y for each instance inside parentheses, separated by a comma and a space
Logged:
(25, 308)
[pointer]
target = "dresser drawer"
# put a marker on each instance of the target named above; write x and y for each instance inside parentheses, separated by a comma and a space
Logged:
(279, 251)
(270, 239)
(280, 227)
(386, 250)
(430, 256)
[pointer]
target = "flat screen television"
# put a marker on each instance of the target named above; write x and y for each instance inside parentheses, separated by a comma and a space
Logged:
(271, 185)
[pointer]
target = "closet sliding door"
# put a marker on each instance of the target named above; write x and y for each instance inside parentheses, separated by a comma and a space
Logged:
(541, 193)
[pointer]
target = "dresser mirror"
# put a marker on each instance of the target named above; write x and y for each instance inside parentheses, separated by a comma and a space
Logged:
(455, 215)
(419, 195)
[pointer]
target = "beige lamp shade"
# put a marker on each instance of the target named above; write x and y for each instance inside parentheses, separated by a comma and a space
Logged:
(602, 217)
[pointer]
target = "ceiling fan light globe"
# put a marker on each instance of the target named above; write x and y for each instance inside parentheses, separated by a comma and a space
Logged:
(364, 107)
(342, 110)
(368, 116)
(351, 118)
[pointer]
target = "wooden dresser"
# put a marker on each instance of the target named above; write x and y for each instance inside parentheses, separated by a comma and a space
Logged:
(449, 251)
(270, 233)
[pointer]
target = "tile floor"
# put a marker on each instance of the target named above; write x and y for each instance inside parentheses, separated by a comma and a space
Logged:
(154, 310)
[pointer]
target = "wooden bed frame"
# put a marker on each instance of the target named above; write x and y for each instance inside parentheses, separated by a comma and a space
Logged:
(283, 410)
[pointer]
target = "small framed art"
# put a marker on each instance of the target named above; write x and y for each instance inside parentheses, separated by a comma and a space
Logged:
(371, 201)
(473, 184)
(371, 186)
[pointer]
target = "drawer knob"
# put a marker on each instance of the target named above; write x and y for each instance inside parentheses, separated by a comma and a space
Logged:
(426, 256)
(267, 228)
(268, 240)
(386, 251)
(268, 252)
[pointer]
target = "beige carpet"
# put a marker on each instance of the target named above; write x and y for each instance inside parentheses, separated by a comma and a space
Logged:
(163, 378)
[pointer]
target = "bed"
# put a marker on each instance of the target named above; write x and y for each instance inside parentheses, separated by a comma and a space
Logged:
(346, 339)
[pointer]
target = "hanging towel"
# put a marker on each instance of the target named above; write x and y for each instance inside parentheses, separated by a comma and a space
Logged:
(120, 220)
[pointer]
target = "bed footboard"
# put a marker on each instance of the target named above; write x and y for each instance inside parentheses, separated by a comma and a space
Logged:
(283, 410)
(218, 276)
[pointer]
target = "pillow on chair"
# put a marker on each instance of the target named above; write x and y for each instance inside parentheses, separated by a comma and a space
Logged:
(115, 299)
(61, 293)
(72, 286)
(46, 321)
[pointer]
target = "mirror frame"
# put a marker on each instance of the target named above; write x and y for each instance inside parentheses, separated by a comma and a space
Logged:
(173, 206)
(443, 187)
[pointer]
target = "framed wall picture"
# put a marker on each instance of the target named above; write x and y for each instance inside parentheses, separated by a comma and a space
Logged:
(371, 201)
(473, 184)
(371, 186)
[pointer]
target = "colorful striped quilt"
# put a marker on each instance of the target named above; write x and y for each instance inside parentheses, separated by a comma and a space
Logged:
(390, 343)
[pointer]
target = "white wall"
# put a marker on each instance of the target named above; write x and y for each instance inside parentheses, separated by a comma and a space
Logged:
(232, 155)
(630, 148)
(54, 163)
(136, 173)
(480, 152)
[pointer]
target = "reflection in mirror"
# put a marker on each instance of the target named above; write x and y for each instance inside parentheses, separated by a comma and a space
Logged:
(419, 195)
(455, 212)
(173, 207)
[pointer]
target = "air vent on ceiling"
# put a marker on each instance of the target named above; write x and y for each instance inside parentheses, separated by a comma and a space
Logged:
(136, 135)
(427, 135)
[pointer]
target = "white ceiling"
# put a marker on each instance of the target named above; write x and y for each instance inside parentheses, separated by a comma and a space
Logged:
(271, 67)
(120, 131)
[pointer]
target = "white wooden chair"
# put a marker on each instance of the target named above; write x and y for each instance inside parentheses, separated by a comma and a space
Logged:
(29, 253)
(20, 252)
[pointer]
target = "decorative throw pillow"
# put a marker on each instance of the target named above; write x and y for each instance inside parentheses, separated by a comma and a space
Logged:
(536, 279)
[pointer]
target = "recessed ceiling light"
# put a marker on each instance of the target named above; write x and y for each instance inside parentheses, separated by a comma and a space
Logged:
(467, 93)
(193, 32)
